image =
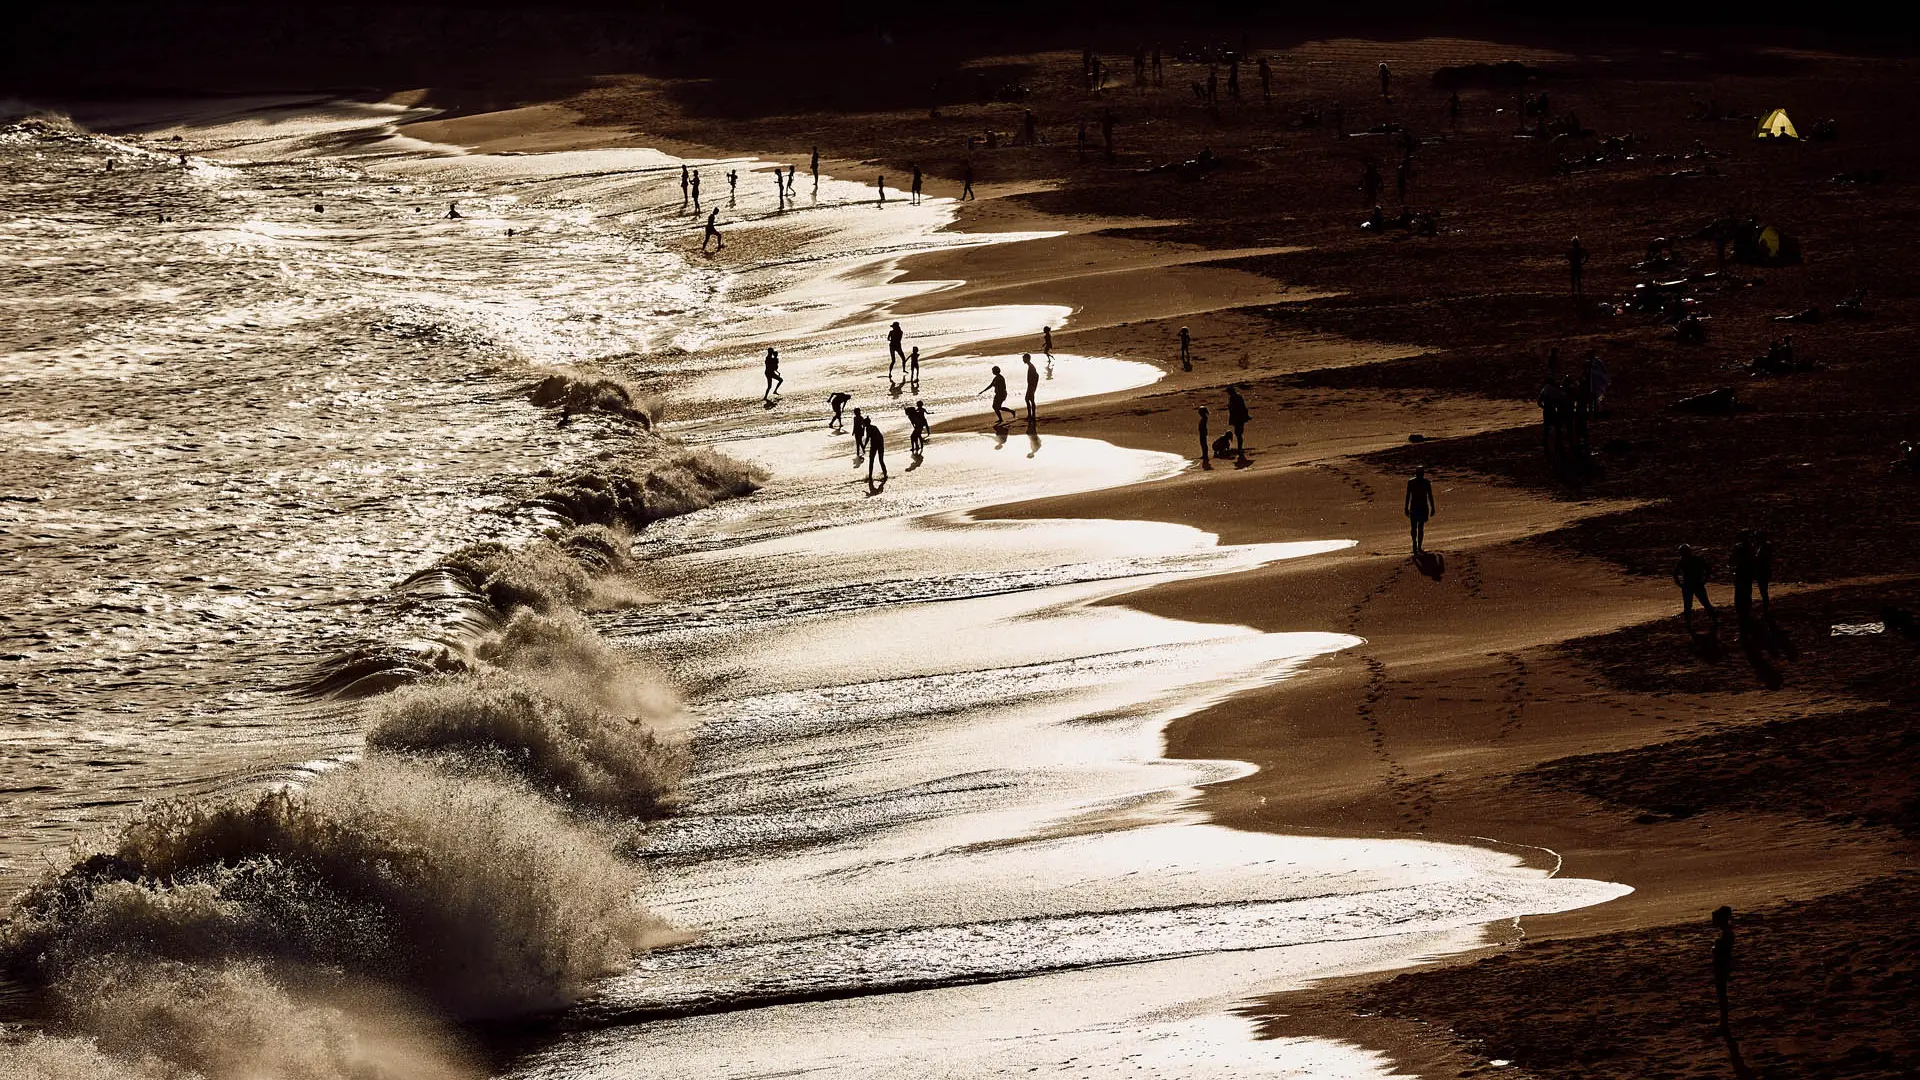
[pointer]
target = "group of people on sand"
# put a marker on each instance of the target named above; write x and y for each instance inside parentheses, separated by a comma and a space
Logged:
(1751, 561)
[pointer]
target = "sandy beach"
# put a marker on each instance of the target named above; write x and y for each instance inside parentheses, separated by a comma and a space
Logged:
(1535, 688)
(1212, 687)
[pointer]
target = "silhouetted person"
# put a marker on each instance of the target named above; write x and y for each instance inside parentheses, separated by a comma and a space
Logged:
(860, 426)
(816, 170)
(453, 212)
(1046, 341)
(1763, 572)
(793, 171)
(998, 384)
(779, 190)
(733, 184)
(1554, 404)
(916, 185)
(911, 370)
(1186, 349)
(1386, 82)
(1206, 456)
(1690, 574)
(685, 178)
(876, 452)
(712, 235)
(966, 181)
(1159, 73)
(1723, 961)
(917, 414)
(696, 191)
(1237, 417)
(1213, 85)
(1419, 507)
(1106, 132)
(880, 184)
(1266, 79)
(1577, 258)
(773, 374)
(1033, 383)
(1740, 561)
(837, 401)
(1370, 185)
(895, 336)
(1233, 79)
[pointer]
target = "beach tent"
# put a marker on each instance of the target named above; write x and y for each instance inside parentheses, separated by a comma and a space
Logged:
(1776, 126)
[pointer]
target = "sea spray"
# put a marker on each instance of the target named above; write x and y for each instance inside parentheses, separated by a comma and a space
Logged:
(575, 391)
(618, 494)
(576, 567)
(586, 755)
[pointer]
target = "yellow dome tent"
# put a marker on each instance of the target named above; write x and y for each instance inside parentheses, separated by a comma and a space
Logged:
(1776, 126)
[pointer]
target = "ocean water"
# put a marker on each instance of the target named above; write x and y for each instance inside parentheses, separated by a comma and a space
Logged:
(924, 824)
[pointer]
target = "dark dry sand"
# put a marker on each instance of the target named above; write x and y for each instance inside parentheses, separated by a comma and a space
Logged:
(1535, 687)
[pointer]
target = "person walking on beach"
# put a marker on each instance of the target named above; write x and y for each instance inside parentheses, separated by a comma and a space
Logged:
(911, 369)
(1723, 961)
(917, 416)
(712, 235)
(1740, 561)
(684, 179)
(915, 190)
(876, 452)
(1237, 417)
(881, 185)
(1419, 507)
(895, 336)
(966, 181)
(998, 384)
(696, 191)
(1033, 383)
(815, 166)
(1690, 574)
(774, 380)
(1046, 341)
(1206, 457)
(837, 401)
(1186, 350)
(792, 172)
(1577, 257)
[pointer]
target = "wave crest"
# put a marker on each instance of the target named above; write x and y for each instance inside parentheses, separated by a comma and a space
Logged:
(573, 390)
(625, 497)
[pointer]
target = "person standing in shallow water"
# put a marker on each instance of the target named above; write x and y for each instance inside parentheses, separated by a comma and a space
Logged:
(1033, 383)
(880, 184)
(685, 176)
(1419, 507)
(1046, 341)
(998, 384)
(816, 170)
(876, 452)
(917, 180)
(774, 380)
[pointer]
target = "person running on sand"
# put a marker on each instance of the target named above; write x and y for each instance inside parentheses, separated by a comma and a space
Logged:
(966, 181)
(1046, 341)
(1419, 507)
(998, 384)
(911, 368)
(1033, 383)
(895, 336)
(1577, 257)
(1690, 574)
(837, 401)
(1206, 457)
(696, 191)
(1237, 416)
(916, 184)
(774, 380)
(712, 234)
(876, 451)
(1186, 350)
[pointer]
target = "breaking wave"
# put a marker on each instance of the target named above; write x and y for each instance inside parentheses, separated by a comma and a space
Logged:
(575, 391)
(623, 496)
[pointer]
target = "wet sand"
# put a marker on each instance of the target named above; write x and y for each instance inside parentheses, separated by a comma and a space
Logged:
(1525, 650)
